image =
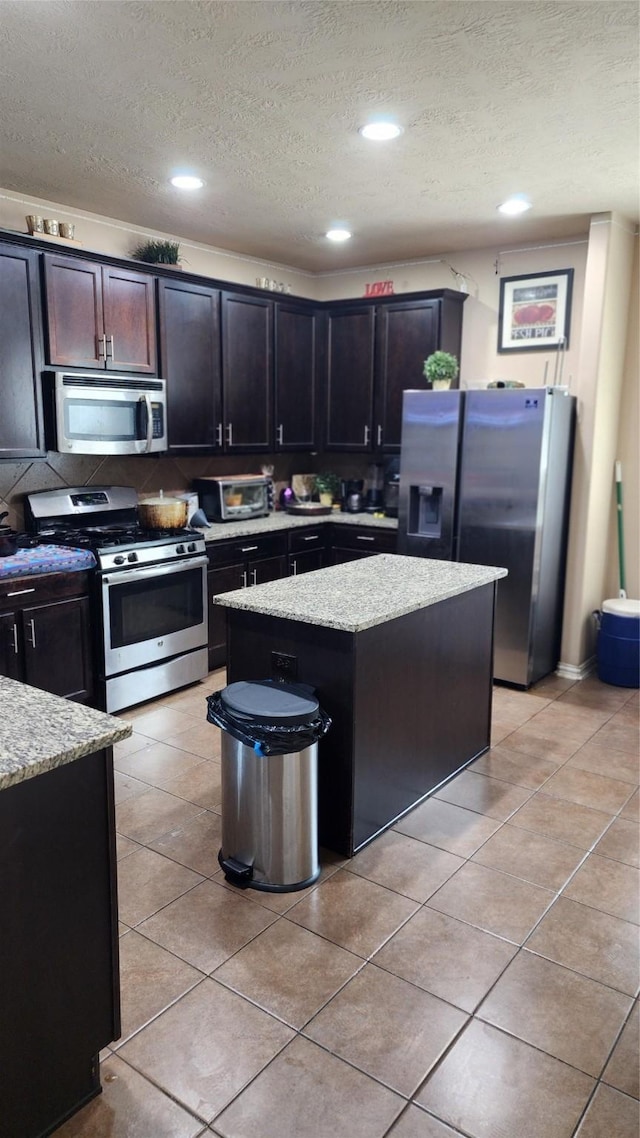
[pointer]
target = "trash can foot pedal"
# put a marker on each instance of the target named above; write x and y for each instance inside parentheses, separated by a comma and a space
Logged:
(236, 872)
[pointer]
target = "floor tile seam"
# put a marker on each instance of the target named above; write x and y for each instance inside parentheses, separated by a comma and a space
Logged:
(163, 1091)
(483, 814)
(615, 1043)
(406, 896)
(519, 944)
(199, 806)
(367, 958)
(596, 908)
(558, 891)
(521, 785)
(166, 905)
(601, 809)
(576, 972)
(117, 1044)
(429, 1113)
(535, 1047)
(574, 845)
(155, 785)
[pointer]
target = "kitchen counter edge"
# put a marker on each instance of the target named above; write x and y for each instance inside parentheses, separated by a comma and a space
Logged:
(40, 732)
(280, 521)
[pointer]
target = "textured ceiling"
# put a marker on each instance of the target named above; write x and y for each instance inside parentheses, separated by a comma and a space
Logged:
(101, 100)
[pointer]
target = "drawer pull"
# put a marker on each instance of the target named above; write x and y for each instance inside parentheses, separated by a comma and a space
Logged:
(32, 627)
(20, 592)
(313, 537)
(249, 549)
(361, 537)
(15, 639)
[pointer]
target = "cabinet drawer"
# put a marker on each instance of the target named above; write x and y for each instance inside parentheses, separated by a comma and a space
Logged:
(365, 539)
(21, 591)
(301, 540)
(246, 549)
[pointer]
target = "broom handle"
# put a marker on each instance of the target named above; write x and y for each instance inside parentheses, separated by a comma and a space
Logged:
(623, 583)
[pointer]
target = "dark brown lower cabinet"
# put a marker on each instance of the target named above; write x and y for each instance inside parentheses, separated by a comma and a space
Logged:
(59, 971)
(409, 699)
(47, 644)
(306, 561)
(239, 565)
(221, 581)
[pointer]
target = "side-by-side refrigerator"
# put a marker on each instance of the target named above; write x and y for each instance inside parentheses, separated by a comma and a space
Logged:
(485, 478)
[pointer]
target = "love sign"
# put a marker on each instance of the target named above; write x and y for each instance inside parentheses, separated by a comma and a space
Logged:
(379, 288)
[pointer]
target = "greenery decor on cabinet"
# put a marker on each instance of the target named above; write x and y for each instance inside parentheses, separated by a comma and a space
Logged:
(157, 252)
(441, 369)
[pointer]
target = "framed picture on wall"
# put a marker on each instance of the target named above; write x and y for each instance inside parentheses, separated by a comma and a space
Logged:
(535, 311)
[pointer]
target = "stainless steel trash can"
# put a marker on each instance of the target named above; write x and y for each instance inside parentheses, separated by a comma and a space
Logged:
(269, 783)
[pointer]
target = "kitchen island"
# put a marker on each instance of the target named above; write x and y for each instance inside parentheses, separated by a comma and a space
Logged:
(58, 934)
(400, 651)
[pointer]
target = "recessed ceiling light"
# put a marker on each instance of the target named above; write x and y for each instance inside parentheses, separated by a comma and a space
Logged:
(338, 235)
(187, 182)
(515, 205)
(380, 131)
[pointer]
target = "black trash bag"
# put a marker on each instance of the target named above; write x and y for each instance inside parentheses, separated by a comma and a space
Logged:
(269, 738)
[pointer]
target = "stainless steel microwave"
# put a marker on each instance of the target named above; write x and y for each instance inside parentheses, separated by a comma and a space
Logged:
(91, 412)
(234, 498)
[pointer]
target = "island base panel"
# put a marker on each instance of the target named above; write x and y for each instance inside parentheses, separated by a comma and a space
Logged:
(410, 701)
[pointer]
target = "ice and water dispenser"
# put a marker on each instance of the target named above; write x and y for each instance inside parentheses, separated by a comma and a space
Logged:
(425, 511)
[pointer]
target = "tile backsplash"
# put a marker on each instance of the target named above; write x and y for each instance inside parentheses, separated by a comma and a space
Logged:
(150, 474)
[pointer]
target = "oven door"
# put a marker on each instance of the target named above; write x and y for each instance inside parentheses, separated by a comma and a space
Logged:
(152, 613)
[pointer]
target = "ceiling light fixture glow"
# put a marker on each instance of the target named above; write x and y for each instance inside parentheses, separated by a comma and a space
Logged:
(515, 205)
(338, 234)
(380, 131)
(187, 182)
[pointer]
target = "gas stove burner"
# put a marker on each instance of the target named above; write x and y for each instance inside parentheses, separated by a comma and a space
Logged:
(105, 537)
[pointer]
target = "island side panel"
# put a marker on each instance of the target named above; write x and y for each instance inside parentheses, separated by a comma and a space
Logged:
(324, 658)
(422, 705)
(58, 942)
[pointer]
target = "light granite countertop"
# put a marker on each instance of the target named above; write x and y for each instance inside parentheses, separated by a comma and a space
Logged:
(279, 521)
(364, 593)
(40, 731)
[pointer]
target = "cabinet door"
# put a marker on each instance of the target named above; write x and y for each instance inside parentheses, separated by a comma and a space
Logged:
(74, 312)
(10, 662)
(20, 354)
(221, 581)
(57, 648)
(405, 335)
(247, 373)
(295, 373)
(340, 556)
(190, 363)
(350, 358)
(129, 320)
(305, 562)
(268, 569)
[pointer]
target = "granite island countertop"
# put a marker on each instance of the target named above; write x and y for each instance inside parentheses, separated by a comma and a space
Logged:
(40, 731)
(281, 521)
(361, 594)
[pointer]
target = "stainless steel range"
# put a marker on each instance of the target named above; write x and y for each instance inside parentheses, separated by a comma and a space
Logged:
(149, 590)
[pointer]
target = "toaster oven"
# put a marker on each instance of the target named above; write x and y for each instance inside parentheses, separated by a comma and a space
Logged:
(235, 498)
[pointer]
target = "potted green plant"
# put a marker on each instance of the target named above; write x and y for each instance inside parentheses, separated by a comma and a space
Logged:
(441, 369)
(327, 486)
(157, 252)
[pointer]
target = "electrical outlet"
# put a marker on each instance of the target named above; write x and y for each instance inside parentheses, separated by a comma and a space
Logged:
(283, 666)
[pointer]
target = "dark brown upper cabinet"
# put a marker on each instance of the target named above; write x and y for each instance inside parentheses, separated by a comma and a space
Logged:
(247, 380)
(21, 357)
(349, 378)
(405, 335)
(99, 316)
(190, 363)
(295, 375)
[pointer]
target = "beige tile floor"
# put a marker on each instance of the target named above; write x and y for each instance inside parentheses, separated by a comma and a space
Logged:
(474, 971)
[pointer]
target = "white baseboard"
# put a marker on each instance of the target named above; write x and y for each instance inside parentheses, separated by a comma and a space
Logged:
(576, 671)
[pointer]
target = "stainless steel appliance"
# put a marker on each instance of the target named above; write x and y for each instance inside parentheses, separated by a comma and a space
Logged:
(485, 478)
(351, 494)
(235, 497)
(94, 412)
(149, 590)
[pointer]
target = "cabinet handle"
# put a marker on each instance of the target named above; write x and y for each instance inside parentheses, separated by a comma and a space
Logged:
(219, 435)
(229, 434)
(102, 347)
(248, 549)
(361, 537)
(294, 568)
(367, 433)
(313, 537)
(280, 435)
(15, 639)
(110, 354)
(244, 579)
(379, 434)
(254, 574)
(20, 592)
(32, 627)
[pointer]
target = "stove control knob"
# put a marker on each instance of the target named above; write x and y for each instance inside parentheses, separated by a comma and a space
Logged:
(179, 548)
(132, 557)
(191, 548)
(119, 560)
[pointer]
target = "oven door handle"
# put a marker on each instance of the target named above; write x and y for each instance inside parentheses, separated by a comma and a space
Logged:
(147, 572)
(147, 402)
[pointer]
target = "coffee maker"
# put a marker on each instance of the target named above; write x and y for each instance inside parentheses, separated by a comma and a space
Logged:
(351, 495)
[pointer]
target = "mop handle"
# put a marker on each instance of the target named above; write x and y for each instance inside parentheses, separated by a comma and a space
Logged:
(623, 583)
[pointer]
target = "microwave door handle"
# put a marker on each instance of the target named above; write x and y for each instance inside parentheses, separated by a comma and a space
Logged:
(147, 402)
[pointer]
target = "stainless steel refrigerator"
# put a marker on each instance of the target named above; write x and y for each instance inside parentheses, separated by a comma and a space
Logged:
(485, 477)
